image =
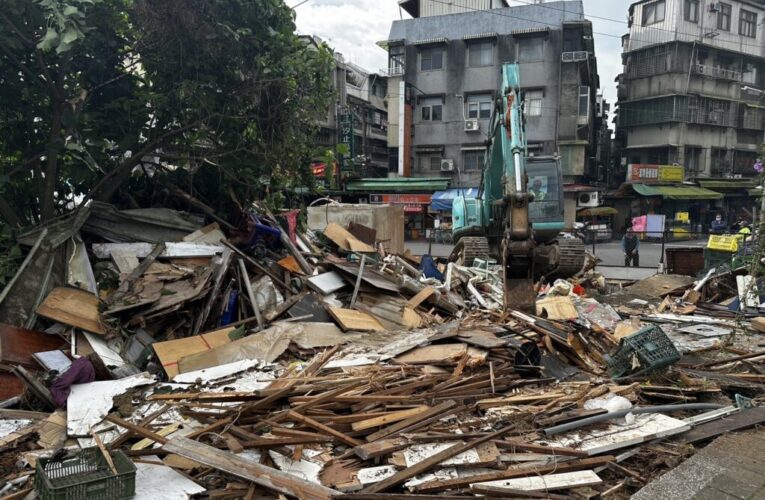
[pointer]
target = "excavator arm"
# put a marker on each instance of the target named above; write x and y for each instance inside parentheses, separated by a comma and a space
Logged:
(517, 247)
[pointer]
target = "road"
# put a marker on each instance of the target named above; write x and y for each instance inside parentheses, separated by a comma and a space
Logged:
(609, 253)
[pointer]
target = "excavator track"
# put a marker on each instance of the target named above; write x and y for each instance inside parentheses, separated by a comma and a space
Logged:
(468, 249)
(571, 257)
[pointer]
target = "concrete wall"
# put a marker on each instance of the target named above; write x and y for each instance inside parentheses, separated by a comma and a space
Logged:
(387, 220)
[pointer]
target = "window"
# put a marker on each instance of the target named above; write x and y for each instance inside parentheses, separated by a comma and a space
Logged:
(432, 109)
(531, 49)
(692, 10)
(432, 58)
(479, 106)
(584, 100)
(472, 160)
(653, 12)
(749, 75)
(430, 163)
(481, 54)
(723, 17)
(747, 24)
(532, 102)
(396, 59)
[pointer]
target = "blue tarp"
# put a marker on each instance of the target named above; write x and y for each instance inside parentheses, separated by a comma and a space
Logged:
(442, 200)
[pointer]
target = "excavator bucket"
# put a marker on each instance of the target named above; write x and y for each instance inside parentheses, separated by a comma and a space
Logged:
(520, 295)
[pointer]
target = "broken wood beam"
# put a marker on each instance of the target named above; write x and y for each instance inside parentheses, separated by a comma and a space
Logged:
(137, 429)
(264, 476)
(324, 428)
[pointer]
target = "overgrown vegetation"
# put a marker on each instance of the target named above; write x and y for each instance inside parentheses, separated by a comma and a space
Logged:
(118, 100)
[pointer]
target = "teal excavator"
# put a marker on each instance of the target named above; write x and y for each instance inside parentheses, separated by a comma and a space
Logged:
(508, 220)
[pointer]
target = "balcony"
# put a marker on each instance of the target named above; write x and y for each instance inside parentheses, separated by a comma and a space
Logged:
(716, 72)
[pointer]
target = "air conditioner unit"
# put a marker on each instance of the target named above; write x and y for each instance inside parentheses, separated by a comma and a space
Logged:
(447, 165)
(567, 57)
(713, 7)
(701, 69)
(588, 199)
(471, 125)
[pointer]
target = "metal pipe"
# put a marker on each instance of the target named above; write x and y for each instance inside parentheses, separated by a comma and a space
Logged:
(616, 414)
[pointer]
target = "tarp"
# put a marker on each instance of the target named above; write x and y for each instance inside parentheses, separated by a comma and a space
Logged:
(442, 200)
(677, 192)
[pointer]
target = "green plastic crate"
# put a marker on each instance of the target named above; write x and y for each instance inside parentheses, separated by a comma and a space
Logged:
(85, 476)
(649, 348)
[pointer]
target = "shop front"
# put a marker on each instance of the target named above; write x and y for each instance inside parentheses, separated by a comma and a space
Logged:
(416, 220)
(741, 198)
(682, 211)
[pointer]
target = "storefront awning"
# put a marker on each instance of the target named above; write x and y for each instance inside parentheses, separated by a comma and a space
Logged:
(726, 183)
(597, 212)
(677, 192)
(398, 185)
(442, 200)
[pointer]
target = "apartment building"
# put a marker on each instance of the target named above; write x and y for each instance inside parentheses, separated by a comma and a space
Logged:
(444, 73)
(691, 91)
(358, 118)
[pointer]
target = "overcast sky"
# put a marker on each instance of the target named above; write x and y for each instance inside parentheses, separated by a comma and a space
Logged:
(353, 27)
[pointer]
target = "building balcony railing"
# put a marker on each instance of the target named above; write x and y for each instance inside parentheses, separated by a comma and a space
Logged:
(575, 56)
(716, 72)
(393, 71)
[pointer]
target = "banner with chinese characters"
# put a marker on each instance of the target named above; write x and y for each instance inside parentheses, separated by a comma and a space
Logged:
(645, 173)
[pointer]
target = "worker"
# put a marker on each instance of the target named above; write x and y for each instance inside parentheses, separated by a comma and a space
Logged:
(630, 247)
(718, 226)
(537, 191)
(745, 229)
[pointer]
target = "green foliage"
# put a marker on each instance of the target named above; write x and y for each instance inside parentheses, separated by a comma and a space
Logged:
(116, 99)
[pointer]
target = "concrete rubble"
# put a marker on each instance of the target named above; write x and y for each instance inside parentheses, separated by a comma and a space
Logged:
(262, 360)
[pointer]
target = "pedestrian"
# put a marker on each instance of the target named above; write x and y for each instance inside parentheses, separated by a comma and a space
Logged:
(745, 230)
(718, 225)
(630, 247)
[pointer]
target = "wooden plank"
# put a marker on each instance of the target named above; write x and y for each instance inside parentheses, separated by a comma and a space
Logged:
(348, 319)
(19, 345)
(137, 429)
(461, 482)
(433, 460)
(178, 249)
(414, 422)
(549, 482)
(345, 240)
(290, 264)
(547, 450)
(73, 307)
(388, 418)
(125, 261)
(440, 354)
(323, 428)
(379, 448)
(239, 466)
(739, 421)
(421, 296)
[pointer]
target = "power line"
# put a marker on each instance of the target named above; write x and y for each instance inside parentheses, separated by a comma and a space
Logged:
(298, 5)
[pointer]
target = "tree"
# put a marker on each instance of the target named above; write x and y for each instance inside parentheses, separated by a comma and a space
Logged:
(113, 99)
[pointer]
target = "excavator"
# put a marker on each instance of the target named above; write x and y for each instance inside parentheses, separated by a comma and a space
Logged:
(518, 225)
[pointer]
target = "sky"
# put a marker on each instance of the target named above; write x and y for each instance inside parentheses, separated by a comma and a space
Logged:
(353, 27)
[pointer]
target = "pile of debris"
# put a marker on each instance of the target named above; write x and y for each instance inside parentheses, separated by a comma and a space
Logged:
(257, 360)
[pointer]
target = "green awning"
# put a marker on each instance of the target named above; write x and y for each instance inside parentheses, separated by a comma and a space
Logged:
(399, 184)
(677, 192)
(726, 183)
(756, 192)
(597, 212)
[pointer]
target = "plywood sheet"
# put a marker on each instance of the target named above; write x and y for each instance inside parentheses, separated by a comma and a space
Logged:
(440, 354)
(556, 308)
(290, 263)
(327, 283)
(17, 345)
(73, 307)
(345, 240)
(348, 319)
(170, 352)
